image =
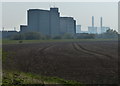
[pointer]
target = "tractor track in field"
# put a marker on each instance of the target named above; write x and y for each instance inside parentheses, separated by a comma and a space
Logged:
(79, 47)
(47, 47)
(99, 57)
(42, 51)
(72, 61)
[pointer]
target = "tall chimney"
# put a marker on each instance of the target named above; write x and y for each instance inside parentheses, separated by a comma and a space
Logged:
(101, 22)
(92, 21)
(3, 29)
(14, 28)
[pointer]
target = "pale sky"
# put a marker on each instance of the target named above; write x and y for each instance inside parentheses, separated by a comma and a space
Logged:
(14, 13)
(59, 0)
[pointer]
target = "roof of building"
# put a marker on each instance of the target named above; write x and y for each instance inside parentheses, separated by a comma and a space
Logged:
(37, 10)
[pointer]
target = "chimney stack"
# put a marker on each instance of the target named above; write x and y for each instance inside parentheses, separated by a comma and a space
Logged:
(92, 21)
(101, 22)
(3, 29)
(14, 28)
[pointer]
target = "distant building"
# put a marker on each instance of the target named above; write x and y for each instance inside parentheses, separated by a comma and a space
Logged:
(97, 30)
(78, 29)
(92, 29)
(102, 29)
(23, 28)
(67, 25)
(49, 22)
(7, 34)
(38, 21)
(54, 22)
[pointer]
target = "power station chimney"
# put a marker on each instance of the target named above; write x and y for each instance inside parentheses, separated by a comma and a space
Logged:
(3, 29)
(101, 22)
(14, 28)
(92, 21)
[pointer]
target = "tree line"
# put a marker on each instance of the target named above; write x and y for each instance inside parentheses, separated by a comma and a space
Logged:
(39, 36)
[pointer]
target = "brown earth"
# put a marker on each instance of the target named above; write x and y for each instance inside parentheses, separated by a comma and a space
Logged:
(94, 62)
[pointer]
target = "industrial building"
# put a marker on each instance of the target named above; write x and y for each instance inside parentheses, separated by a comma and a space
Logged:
(102, 29)
(78, 29)
(92, 29)
(97, 30)
(48, 22)
(7, 34)
(67, 25)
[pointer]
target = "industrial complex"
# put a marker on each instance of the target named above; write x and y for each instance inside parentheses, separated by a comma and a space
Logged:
(94, 29)
(50, 23)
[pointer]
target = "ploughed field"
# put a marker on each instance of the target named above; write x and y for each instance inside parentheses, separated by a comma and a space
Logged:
(89, 62)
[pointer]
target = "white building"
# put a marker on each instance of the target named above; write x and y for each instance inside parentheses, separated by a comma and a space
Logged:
(92, 30)
(97, 30)
(78, 29)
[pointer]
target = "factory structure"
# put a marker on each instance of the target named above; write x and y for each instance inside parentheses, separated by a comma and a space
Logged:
(51, 24)
(48, 22)
(94, 29)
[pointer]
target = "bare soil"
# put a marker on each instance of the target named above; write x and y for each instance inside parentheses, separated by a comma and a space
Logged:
(91, 62)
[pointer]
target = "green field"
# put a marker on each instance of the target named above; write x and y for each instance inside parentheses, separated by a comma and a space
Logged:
(14, 78)
(53, 40)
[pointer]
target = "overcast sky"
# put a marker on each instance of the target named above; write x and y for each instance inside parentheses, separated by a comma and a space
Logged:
(15, 13)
